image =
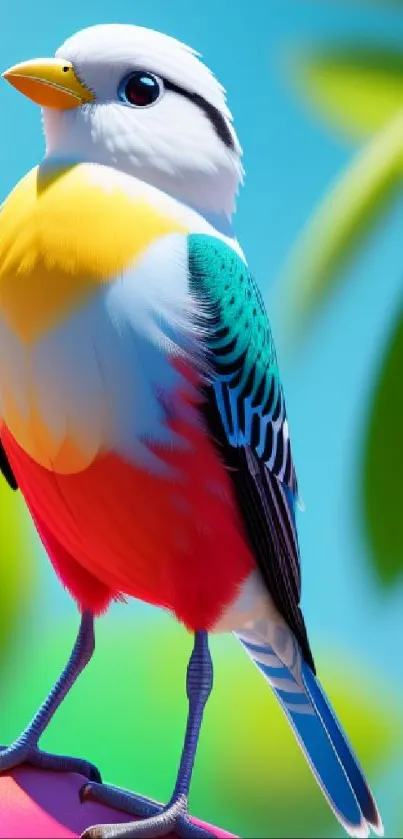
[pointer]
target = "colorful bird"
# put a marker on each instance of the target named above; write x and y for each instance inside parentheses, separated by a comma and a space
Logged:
(142, 413)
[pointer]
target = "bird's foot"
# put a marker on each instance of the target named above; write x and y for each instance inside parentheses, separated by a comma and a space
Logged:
(155, 819)
(24, 751)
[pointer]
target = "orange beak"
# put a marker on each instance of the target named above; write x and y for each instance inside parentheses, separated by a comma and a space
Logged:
(51, 83)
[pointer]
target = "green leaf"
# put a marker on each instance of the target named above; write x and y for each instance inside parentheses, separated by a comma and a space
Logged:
(383, 465)
(340, 226)
(356, 89)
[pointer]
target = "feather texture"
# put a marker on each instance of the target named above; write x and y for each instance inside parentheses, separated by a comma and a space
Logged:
(316, 728)
(245, 413)
(240, 345)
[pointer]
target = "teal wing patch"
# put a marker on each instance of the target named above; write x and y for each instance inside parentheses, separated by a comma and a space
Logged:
(245, 413)
(247, 383)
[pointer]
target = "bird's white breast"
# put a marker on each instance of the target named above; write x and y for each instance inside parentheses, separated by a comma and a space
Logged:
(103, 379)
(98, 372)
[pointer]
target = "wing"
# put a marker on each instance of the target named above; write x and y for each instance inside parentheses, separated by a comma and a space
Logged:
(6, 469)
(245, 413)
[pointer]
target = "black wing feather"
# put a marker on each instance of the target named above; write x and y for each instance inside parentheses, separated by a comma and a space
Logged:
(244, 384)
(6, 469)
(267, 520)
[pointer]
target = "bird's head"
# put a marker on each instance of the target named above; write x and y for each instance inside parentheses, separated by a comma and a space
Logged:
(140, 101)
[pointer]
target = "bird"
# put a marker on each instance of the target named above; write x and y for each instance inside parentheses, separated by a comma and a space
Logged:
(143, 418)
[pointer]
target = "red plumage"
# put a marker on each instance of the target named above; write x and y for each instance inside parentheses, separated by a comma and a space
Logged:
(172, 539)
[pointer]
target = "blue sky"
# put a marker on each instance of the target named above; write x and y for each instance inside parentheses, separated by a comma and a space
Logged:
(290, 161)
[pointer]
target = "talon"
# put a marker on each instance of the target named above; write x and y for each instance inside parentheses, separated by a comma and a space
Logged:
(173, 818)
(91, 833)
(94, 774)
(84, 793)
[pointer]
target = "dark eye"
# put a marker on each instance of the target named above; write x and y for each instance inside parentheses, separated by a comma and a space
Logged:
(140, 89)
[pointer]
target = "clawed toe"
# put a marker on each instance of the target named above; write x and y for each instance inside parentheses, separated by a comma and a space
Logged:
(171, 819)
(120, 799)
(19, 753)
(12, 756)
(63, 763)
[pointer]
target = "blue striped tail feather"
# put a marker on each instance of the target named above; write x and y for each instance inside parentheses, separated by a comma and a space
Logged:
(318, 732)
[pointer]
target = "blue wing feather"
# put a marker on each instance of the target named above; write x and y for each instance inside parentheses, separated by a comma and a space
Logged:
(245, 411)
(319, 734)
(241, 348)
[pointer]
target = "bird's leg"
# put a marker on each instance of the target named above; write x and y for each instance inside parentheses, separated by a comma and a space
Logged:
(25, 748)
(159, 820)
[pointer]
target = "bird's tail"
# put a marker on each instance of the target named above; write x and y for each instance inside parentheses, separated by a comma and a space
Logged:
(316, 728)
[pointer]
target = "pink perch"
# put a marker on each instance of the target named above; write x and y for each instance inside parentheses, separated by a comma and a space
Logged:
(37, 804)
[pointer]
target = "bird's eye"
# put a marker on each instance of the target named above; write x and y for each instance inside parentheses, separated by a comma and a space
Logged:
(140, 89)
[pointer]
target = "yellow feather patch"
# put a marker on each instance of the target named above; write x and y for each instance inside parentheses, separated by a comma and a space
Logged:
(32, 433)
(62, 235)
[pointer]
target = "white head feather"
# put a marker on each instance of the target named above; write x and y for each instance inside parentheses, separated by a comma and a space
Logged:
(173, 144)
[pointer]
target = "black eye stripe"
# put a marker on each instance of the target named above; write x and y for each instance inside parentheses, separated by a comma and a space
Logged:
(213, 114)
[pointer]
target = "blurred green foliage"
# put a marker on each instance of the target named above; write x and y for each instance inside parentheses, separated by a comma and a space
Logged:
(356, 89)
(132, 703)
(17, 566)
(341, 224)
(383, 468)
(359, 90)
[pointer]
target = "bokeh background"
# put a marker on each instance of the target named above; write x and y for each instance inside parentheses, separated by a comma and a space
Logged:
(316, 89)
